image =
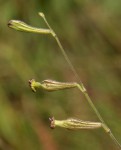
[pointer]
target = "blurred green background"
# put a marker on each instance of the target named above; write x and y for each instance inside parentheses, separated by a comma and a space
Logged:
(90, 32)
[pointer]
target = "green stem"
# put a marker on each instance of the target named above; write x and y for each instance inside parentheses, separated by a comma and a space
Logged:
(81, 86)
(21, 26)
(61, 48)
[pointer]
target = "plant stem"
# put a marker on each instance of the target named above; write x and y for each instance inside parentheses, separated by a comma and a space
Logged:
(21, 26)
(80, 86)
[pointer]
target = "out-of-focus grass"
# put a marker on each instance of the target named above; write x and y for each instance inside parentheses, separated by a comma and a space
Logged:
(90, 31)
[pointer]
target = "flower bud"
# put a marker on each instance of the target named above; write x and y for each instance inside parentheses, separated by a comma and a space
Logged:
(51, 85)
(22, 26)
(74, 124)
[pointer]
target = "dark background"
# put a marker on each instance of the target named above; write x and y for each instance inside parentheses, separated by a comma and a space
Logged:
(90, 32)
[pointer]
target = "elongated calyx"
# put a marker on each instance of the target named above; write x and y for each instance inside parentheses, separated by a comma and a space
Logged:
(22, 26)
(51, 85)
(74, 124)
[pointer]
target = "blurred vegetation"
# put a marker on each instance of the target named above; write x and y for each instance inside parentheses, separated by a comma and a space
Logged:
(90, 31)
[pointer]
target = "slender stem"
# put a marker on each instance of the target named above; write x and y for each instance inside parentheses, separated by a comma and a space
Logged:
(105, 127)
(91, 103)
(21, 26)
(115, 140)
(81, 86)
(62, 49)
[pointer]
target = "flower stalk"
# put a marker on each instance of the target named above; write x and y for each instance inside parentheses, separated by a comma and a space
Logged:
(51, 85)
